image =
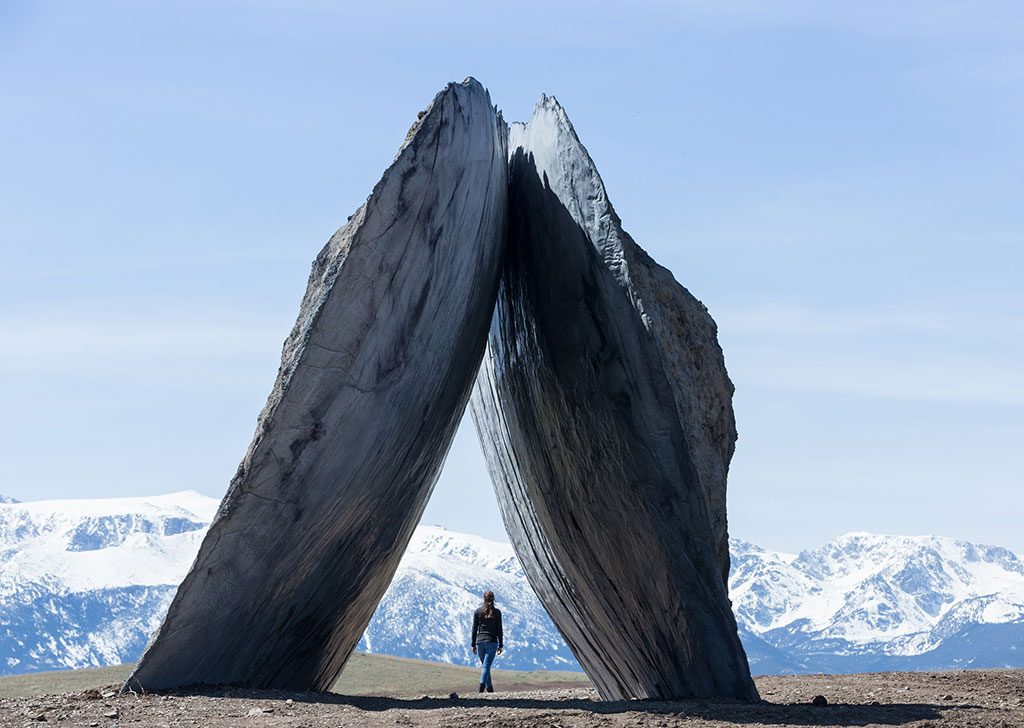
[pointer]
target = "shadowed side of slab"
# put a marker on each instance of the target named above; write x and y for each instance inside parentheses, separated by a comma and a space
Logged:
(605, 414)
(373, 381)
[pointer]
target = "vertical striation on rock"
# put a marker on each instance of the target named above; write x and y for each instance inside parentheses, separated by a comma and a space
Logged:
(603, 406)
(605, 414)
(374, 379)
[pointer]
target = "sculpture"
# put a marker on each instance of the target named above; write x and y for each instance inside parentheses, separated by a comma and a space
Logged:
(602, 404)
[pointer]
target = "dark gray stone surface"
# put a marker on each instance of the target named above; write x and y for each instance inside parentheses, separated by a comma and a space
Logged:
(605, 414)
(603, 406)
(374, 379)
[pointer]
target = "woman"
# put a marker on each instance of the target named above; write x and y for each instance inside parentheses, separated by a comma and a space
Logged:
(488, 640)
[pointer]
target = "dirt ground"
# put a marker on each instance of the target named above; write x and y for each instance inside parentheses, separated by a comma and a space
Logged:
(364, 674)
(978, 699)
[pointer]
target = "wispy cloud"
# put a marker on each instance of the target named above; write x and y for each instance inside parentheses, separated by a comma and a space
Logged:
(202, 342)
(938, 20)
(963, 357)
(779, 319)
(998, 318)
(873, 375)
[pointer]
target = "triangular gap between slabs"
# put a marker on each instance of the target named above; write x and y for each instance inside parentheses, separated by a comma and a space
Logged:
(460, 548)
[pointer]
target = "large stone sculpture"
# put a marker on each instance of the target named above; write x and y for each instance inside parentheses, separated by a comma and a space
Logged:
(605, 412)
(603, 406)
(373, 382)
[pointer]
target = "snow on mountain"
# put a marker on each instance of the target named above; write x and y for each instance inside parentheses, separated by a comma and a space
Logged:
(85, 582)
(864, 596)
(95, 544)
(427, 611)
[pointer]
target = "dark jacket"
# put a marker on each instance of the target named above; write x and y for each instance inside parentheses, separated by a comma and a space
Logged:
(487, 629)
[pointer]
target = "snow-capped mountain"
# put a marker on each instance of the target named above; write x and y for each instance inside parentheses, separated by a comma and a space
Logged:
(439, 583)
(866, 602)
(84, 583)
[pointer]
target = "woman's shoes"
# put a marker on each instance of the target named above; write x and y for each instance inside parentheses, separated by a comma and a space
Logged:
(490, 688)
(481, 688)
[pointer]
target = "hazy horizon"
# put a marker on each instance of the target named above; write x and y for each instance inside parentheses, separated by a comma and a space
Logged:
(502, 537)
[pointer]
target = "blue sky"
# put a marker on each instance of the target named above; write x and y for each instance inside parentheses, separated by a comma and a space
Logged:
(841, 184)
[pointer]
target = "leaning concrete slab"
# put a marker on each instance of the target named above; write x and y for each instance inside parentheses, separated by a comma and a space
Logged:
(374, 379)
(605, 413)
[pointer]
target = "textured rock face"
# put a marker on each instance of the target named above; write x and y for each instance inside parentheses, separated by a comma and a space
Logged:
(604, 410)
(603, 406)
(373, 381)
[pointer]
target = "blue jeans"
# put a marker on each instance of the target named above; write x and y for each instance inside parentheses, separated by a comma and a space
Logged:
(486, 652)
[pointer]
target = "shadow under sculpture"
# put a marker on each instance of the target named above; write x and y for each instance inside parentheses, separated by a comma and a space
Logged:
(605, 413)
(374, 380)
(602, 404)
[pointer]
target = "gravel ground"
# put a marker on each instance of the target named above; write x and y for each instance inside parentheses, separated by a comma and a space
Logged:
(978, 699)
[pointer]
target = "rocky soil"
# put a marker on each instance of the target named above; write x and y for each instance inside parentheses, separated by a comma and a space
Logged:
(979, 699)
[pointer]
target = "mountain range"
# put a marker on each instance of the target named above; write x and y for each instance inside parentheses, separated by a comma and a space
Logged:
(85, 582)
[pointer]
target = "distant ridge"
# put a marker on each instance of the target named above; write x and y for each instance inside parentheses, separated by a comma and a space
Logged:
(871, 602)
(85, 582)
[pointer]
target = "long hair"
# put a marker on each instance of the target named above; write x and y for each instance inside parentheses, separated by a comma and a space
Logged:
(488, 604)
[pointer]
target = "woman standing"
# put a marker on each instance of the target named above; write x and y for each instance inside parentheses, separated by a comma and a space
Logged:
(488, 639)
